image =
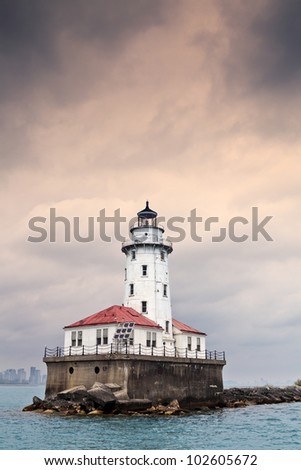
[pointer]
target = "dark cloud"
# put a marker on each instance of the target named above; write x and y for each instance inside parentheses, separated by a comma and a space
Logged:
(264, 45)
(280, 28)
(30, 32)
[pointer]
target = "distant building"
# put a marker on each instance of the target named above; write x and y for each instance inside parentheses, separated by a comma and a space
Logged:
(21, 376)
(13, 376)
(10, 376)
(35, 376)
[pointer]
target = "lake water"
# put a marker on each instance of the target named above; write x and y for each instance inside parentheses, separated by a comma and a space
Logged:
(263, 427)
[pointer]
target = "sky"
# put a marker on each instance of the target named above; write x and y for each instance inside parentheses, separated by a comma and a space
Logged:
(194, 105)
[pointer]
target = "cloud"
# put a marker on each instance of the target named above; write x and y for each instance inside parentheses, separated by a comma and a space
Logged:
(107, 104)
(279, 31)
(31, 33)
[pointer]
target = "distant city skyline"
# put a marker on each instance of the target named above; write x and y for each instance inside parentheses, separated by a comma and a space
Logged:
(19, 376)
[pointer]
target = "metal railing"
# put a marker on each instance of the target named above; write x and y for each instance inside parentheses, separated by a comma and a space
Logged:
(137, 349)
(149, 240)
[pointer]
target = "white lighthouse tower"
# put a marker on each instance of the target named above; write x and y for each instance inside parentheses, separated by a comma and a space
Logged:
(146, 280)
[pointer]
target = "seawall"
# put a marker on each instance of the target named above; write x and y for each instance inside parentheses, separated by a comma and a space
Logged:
(193, 382)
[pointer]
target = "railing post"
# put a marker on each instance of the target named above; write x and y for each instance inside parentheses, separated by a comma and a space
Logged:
(69, 350)
(57, 351)
(215, 355)
(45, 351)
(83, 350)
(126, 347)
(111, 348)
(186, 352)
(152, 350)
(139, 348)
(196, 353)
(164, 350)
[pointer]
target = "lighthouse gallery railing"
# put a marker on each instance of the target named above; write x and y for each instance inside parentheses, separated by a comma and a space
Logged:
(137, 349)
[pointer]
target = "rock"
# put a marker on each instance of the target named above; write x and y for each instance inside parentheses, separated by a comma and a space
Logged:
(258, 396)
(101, 386)
(70, 412)
(95, 413)
(31, 407)
(134, 404)
(113, 387)
(204, 409)
(102, 397)
(121, 395)
(152, 409)
(110, 398)
(56, 403)
(37, 401)
(170, 412)
(36, 404)
(174, 404)
(160, 408)
(75, 394)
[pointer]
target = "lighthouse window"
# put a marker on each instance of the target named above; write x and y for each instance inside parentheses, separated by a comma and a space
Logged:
(102, 336)
(131, 289)
(105, 336)
(148, 339)
(98, 337)
(189, 343)
(198, 344)
(165, 290)
(154, 339)
(133, 254)
(162, 256)
(144, 270)
(76, 338)
(167, 326)
(144, 306)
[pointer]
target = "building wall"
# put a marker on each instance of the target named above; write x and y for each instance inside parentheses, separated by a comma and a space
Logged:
(89, 336)
(182, 340)
(193, 382)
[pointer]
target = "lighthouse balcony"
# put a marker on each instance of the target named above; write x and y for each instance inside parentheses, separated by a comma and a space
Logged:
(136, 350)
(147, 240)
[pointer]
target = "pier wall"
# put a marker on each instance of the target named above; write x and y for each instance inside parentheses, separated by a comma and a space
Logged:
(193, 382)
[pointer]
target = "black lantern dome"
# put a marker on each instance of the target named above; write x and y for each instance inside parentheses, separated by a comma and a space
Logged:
(147, 213)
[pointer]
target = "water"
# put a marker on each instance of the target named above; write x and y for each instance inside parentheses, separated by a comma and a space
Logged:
(264, 427)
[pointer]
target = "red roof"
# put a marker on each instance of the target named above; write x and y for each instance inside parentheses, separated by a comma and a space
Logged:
(116, 314)
(185, 328)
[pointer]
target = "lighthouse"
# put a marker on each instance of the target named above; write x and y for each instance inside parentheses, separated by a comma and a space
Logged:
(146, 277)
(139, 346)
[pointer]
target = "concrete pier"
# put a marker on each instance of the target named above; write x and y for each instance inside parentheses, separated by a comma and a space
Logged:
(193, 382)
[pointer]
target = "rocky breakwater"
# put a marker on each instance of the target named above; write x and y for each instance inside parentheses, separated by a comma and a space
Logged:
(101, 399)
(238, 397)
(104, 399)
